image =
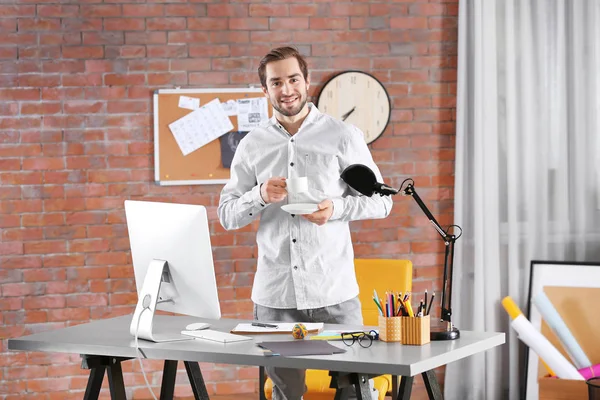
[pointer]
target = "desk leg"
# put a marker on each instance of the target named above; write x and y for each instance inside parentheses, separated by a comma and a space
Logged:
(196, 380)
(432, 385)
(94, 384)
(262, 379)
(167, 388)
(115, 380)
(406, 383)
(342, 383)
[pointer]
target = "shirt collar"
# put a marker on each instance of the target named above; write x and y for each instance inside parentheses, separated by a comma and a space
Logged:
(313, 113)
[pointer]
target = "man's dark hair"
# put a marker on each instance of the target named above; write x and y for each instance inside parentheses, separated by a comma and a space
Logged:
(281, 53)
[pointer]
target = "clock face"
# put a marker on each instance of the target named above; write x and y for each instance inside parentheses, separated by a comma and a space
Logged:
(358, 98)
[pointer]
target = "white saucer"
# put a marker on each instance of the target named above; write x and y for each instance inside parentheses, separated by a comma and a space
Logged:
(300, 208)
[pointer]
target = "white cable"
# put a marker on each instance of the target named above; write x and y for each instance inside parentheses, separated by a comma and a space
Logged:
(138, 352)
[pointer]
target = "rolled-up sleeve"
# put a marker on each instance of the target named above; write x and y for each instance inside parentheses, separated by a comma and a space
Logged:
(354, 206)
(240, 202)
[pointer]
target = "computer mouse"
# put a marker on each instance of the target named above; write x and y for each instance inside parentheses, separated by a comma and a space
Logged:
(196, 326)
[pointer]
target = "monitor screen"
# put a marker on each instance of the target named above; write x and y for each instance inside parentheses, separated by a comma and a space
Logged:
(178, 234)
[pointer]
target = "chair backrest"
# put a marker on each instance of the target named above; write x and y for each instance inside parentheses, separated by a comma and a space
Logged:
(382, 275)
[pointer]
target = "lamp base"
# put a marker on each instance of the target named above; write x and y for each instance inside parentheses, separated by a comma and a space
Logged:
(443, 330)
(444, 334)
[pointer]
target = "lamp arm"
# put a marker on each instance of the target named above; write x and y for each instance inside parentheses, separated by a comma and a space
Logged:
(410, 191)
(449, 240)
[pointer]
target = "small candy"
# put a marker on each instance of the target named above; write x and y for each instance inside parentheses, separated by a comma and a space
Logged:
(299, 331)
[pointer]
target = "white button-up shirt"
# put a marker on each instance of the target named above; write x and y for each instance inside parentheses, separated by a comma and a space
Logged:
(300, 264)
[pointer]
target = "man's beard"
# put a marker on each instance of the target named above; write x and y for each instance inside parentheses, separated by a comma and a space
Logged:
(292, 112)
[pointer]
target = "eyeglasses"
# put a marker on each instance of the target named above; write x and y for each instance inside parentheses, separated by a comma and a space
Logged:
(364, 339)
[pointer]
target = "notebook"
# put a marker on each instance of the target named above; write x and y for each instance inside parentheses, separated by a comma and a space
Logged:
(216, 336)
(300, 348)
(282, 327)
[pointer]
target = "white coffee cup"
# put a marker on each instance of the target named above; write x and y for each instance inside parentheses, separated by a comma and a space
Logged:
(297, 185)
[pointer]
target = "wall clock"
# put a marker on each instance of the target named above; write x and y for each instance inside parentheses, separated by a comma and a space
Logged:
(358, 98)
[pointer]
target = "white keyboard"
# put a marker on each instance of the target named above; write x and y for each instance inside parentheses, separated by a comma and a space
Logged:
(216, 336)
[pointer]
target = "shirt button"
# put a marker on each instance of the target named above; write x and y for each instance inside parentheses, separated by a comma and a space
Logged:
(294, 240)
(250, 214)
(292, 164)
(292, 140)
(295, 267)
(293, 215)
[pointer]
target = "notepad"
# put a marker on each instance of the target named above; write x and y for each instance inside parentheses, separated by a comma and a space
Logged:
(300, 348)
(216, 336)
(283, 327)
(327, 335)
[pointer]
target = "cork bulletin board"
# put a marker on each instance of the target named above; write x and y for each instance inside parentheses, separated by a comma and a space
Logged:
(204, 165)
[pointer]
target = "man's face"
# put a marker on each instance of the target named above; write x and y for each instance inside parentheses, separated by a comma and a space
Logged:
(286, 87)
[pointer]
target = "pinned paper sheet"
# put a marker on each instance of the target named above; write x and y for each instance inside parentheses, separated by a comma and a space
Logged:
(189, 103)
(200, 127)
(251, 112)
(230, 107)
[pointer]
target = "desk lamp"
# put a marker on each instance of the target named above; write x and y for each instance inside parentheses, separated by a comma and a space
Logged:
(363, 180)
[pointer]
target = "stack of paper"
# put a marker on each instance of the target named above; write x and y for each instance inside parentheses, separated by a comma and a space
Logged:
(283, 327)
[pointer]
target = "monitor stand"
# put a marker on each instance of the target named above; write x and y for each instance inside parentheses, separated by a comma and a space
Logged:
(147, 300)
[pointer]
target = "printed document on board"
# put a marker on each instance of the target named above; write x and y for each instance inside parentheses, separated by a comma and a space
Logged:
(251, 112)
(200, 127)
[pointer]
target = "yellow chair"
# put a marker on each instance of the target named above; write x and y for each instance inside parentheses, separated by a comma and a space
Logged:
(381, 275)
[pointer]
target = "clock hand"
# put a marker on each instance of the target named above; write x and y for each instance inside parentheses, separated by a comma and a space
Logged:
(348, 113)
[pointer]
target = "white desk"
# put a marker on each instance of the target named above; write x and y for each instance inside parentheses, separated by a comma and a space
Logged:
(105, 343)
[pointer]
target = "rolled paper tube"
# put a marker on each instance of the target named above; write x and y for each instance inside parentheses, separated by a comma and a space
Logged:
(539, 344)
(558, 326)
(590, 372)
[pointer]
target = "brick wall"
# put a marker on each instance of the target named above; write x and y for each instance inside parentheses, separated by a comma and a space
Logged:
(76, 141)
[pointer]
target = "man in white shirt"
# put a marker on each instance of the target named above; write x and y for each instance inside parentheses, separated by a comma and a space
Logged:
(305, 270)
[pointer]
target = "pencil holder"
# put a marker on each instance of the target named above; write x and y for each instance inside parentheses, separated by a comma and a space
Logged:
(390, 329)
(415, 330)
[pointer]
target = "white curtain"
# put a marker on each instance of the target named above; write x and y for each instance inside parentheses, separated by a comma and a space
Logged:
(527, 166)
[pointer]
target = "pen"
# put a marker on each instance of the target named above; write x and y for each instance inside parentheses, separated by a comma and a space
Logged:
(264, 325)
(430, 303)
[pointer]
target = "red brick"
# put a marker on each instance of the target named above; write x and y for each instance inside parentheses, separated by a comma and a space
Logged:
(166, 23)
(185, 10)
(17, 10)
(82, 52)
(129, 24)
(227, 10)
(83, 107)
(408, 23)
(38, 24)
(86, 300)
(61, 11)
(144, 10)
(248, 23)
(443, 23)
(290, 23)
(100, 10)
(48, 385)
(193, 38)
(230, 37)
(69, 314)
(269, 10)
(269, 37)
(207, 24)
(199, 78)
(22, 234)
(167, 51)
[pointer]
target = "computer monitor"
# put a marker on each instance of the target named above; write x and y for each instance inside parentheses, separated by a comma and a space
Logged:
(173, 264)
